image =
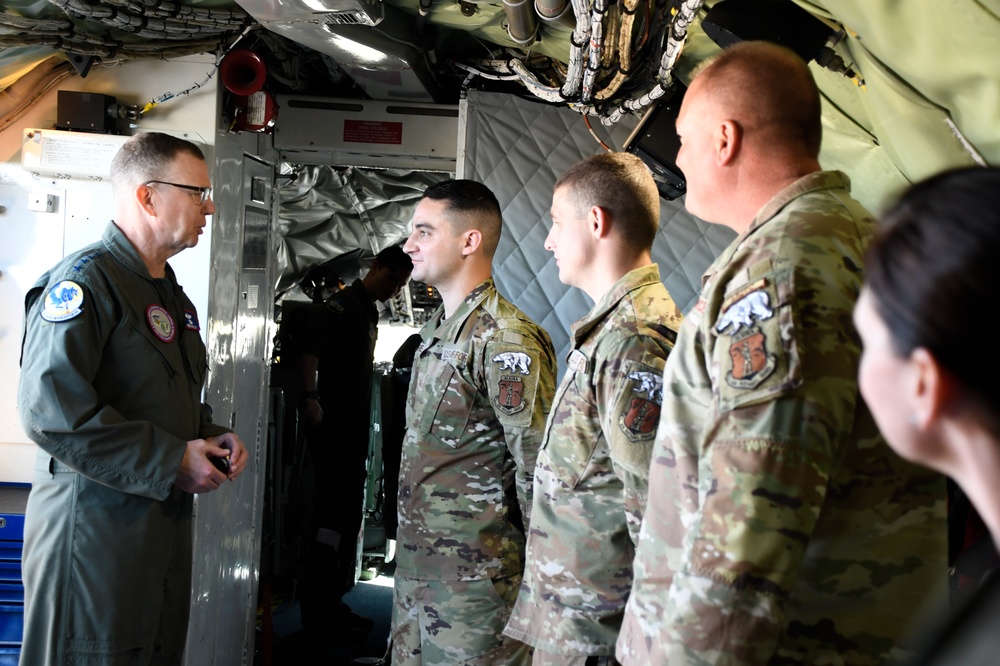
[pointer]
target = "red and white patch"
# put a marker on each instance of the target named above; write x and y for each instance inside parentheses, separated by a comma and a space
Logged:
(510, 396)
(640, 419)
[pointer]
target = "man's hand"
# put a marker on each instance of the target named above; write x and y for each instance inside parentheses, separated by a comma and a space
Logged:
(312, 411)
(197, 473)
(233, 448)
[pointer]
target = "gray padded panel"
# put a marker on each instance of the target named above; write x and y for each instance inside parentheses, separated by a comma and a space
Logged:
(518, 148)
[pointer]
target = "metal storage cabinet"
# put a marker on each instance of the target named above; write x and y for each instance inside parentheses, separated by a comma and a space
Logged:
(13, 498)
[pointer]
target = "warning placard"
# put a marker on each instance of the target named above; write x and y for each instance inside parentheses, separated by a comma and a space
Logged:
(372, 131)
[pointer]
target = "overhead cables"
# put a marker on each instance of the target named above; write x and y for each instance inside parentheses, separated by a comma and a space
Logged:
(676, 39)
(169, 30)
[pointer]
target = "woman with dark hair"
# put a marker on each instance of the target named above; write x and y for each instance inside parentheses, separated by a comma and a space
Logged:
(930, 372)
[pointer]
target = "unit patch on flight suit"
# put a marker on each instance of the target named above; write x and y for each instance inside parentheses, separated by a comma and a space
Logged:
(161, 323)
(642, 415)
(510, 394)
(64, 301)
(191, 321)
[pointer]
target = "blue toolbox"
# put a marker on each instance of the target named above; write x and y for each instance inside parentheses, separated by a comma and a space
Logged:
(13, 498)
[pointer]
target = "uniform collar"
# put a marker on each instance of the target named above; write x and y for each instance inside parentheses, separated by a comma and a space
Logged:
(634, 279)
(451, 327)
(813, 182)
(122, 249)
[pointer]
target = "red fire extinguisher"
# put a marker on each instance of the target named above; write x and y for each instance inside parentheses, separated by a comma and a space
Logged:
(243, 73)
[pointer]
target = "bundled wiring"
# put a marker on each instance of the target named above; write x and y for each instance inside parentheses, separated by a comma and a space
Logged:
(499, 75)
(158, 20)
(107, 49)
(531, 82)
(675, 44)
(578, 41)
(596, 47)
(168, 30)
(624, 52)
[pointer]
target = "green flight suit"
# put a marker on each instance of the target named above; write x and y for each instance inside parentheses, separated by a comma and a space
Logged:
(112, 368)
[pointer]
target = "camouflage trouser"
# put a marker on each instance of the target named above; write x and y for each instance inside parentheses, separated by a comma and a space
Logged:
(548, 659)
(455, 623)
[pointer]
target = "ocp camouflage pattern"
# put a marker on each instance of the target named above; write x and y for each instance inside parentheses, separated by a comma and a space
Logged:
(781, 529)
(481, 387)
(592, 474)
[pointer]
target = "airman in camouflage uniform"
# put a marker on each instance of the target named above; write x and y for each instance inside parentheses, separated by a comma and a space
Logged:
(592, 476)
(481, 387)
(780, 527)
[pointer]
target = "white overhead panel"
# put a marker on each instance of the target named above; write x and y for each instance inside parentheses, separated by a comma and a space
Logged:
(366, 133)
(382, 62)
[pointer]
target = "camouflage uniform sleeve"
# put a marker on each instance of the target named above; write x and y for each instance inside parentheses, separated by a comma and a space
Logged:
(783, 361)
(629, 394)
(520, 382)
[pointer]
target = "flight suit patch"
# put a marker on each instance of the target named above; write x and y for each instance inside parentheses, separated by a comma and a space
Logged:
(64, 301)
(161, 323)
(191, 321)
(642, 415)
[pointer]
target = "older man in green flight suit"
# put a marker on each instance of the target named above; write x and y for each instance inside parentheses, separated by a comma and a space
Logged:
(112, 370)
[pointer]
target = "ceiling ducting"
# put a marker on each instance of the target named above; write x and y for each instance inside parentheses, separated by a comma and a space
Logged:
(383, 61)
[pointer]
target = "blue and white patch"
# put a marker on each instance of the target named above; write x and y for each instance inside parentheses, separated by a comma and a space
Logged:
(191, 321)
(161, 323)
(64, 301)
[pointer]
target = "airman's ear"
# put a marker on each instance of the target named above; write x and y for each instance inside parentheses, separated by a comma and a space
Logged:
(934, 389)
(144, 198)
(473, 240)
(598, 222)
(728, 141)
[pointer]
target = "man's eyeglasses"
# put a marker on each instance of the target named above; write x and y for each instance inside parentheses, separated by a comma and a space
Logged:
(204, 193)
